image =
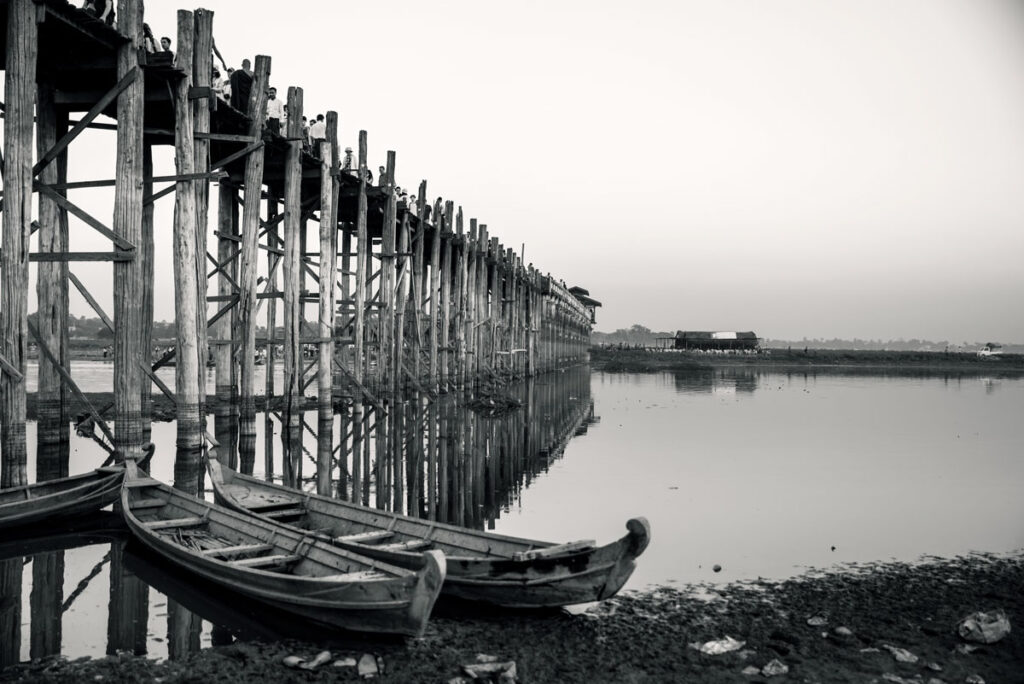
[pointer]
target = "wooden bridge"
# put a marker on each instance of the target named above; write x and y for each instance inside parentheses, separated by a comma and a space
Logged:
(401, 301)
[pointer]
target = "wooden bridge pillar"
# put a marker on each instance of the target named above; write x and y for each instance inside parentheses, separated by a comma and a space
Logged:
(328, 278)
(386, 287)
(445, 294)
(202, 67)
(188, 371)
(292, 413)
(128, 275)
(460, 304)
(53, 451)
(20, 91)
(434, 294)
(245, 332)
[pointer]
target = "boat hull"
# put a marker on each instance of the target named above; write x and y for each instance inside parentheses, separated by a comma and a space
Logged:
(395, 601)
(68, 497)
(525, 573)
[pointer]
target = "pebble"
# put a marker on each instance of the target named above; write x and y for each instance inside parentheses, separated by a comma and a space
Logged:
(345, 662)
(933, 666)
(974, 679)
(817, 621)
(843, 631)
(901, 655)
(774, 667)
(751, 671)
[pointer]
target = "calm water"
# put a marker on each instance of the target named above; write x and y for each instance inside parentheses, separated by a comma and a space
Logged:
(761, 473)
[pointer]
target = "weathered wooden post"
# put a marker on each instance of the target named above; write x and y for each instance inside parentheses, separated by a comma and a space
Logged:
(202, 75)
(128, 275)
(402, 303)
(459, 302)
(147, 252)
(387, 277)
(245, 332)
(417, 280)
(362, 262)
(223, 356)
(433, 296)
(328, 277)
(52, 296)
(446, 293)
(471, 304)
(292, 410)
(186, 288)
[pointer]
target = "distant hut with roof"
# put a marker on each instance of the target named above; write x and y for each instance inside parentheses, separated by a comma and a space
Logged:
(717, 341)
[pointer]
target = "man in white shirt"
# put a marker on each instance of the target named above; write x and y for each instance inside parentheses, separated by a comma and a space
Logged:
(317, 134)
(275, 111)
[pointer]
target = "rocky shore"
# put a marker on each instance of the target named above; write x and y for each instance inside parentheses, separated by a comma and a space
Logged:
(871, 623)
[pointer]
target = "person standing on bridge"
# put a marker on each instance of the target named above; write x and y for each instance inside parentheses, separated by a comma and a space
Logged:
(317, 134)
(275, 112)
(241, 86)
(349, 163)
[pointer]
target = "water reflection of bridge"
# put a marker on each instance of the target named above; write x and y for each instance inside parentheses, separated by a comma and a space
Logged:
(437, 459)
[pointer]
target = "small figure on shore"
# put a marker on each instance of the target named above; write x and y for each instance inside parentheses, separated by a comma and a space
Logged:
(241, 86)
(275, 112)
(317, 134)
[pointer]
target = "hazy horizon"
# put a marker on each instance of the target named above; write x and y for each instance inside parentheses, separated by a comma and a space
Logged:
(798, 168)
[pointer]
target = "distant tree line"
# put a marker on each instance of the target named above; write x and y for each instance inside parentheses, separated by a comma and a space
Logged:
(644, 336)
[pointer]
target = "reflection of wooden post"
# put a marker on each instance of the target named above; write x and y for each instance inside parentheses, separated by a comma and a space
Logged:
(245, 331)
(325, 368)
(46, 599)
(293, 220)
(52, 295)
(11, 590)
(128, 607)
(270, 348)
(186, 289)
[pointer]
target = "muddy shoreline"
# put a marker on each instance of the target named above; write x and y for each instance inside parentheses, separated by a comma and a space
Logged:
(626, 360)
(650, 636)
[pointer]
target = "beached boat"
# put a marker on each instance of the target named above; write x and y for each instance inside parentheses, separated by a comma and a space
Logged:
(288, 569)
(492, 568)
(67, 497)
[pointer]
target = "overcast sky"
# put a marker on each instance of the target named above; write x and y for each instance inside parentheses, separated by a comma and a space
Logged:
(800, 168)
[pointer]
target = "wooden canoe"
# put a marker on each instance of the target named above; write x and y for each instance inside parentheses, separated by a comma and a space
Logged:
(492, 568)
(282, 567)
(67, 497)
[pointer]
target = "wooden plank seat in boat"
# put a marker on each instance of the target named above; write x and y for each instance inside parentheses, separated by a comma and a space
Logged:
(148, 503)
(411, 545)
(176, 522)
(264, 561)
(287, 513)
(366, 537)
(359, 576)
(142, 482)
(239, 549)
